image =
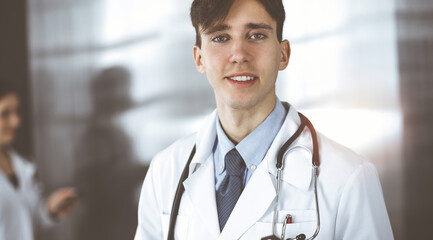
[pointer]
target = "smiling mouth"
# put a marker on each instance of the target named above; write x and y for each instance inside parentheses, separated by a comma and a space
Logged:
(242, 78)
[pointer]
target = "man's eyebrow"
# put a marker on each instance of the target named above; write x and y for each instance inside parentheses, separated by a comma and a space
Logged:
(224, 27)
(259, 26)
(217, 28)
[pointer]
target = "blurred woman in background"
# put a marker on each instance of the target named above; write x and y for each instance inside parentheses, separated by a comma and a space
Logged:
(21, 201)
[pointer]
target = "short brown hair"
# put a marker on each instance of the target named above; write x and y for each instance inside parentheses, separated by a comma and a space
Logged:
(205, 13)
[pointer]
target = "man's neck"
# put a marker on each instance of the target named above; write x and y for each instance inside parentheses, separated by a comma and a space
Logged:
(238, 123)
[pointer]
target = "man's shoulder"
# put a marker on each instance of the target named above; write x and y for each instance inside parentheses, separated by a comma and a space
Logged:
(180, 146)
(340, 163)
(177, 153)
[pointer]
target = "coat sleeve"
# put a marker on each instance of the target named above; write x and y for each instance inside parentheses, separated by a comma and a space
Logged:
(35, 197)
(42, 216)
(149, 208)
(362, 212)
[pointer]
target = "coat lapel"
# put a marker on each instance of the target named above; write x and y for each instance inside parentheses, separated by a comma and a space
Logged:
(200, 188)
(260, 192)
(200, 185)
(253, 203)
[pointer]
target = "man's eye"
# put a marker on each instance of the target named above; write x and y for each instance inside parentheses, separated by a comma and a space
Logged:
(219, 39)
(257, 36)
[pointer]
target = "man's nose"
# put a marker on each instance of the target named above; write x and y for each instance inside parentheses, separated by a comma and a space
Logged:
(239, 52)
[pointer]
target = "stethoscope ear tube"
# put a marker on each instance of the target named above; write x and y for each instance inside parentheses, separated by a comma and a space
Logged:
(316, 158)
(289, 142)
(178, 195)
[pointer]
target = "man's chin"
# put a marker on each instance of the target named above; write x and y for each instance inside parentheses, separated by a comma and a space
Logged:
(242, 103)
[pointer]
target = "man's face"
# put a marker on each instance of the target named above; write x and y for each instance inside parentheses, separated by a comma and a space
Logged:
(242, 56)
(9, 119)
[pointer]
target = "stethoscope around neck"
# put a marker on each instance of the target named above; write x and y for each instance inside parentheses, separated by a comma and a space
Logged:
(315, 164)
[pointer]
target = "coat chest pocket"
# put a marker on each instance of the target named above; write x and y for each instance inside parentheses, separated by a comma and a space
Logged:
(303, 221)
(181, 230)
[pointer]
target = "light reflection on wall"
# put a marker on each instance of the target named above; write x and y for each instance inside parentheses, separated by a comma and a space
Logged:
(343, 66)
(130, 19)
(358, 129)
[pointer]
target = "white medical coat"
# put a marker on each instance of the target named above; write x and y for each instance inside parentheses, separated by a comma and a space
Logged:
(350, 196)
(21, 208)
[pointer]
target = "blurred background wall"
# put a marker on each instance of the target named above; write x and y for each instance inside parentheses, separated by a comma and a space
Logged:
(110, 83)
(415, 51)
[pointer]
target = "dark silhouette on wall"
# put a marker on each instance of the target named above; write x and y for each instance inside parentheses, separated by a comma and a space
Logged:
(108, 177)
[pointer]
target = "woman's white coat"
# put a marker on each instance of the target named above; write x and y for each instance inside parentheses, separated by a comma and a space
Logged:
(22, 208)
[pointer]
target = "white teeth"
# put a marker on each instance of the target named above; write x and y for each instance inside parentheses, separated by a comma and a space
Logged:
(242, 78)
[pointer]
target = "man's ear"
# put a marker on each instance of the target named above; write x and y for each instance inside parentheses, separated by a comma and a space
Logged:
(199, 64)
(285, 54)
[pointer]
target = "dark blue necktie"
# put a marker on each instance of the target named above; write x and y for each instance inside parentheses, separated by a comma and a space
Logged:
(231, 187)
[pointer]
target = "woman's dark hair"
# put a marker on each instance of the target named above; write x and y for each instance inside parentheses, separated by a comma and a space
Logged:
(206, 13)
(7, 87)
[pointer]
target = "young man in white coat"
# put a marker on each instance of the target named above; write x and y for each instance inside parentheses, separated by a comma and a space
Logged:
(230, 186)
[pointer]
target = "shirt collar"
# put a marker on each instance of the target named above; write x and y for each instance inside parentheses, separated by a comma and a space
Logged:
(299, 175)
(252, 148)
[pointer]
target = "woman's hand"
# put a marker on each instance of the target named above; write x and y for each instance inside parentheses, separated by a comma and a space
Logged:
(61, 202)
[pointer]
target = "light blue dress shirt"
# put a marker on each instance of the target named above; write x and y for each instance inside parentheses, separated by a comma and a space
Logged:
(252, 148)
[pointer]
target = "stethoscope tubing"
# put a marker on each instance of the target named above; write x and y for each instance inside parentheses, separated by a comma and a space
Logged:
(178, 195)
(315, 165)
(280, 166)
